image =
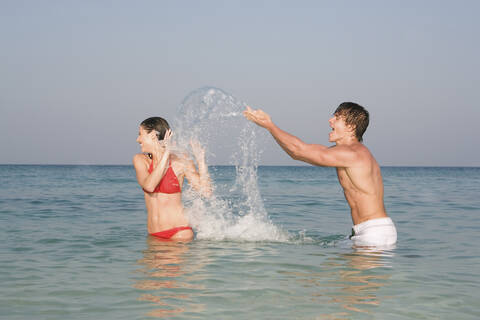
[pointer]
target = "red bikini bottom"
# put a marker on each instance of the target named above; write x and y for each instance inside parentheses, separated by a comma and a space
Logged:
(167, 234)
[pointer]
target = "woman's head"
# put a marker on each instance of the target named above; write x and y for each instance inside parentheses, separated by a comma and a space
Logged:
(157, 124)
(151, 131)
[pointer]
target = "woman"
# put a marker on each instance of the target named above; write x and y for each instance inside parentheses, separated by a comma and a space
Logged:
(161, 173)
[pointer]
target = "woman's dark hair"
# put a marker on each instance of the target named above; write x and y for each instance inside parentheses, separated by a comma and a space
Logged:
(156, 123)
(355, 116)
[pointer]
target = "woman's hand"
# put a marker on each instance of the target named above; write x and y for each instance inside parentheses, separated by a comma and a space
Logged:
(162, 148)
(200, 180)
(197, 149)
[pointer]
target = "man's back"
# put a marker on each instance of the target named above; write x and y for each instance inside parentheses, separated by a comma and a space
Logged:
(362, 185)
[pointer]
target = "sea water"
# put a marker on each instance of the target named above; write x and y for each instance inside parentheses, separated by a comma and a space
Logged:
(272, 243)
(73, 244)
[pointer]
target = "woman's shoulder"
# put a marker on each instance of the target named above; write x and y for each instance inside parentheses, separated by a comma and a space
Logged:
(140, 158)
(179, 162)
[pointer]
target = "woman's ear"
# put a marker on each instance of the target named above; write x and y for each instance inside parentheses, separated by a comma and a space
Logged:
(153, 135)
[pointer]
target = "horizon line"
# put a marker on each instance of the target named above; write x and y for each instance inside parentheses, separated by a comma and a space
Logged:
(232, 165)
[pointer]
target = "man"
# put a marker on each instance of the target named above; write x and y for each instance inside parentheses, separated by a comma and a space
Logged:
(357, 170)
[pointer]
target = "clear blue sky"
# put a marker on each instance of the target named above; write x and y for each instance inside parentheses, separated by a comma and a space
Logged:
(77, 77)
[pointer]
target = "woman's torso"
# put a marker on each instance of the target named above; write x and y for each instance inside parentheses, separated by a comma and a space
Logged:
(165, 210)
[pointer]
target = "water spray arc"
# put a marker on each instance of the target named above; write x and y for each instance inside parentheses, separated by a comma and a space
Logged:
(235, 212)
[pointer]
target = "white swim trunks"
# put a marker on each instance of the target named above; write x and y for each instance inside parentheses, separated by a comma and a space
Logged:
(375, 232)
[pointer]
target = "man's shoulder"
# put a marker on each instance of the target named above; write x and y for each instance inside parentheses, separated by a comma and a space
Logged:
(360, 153)
(356, 148)
(360, 148)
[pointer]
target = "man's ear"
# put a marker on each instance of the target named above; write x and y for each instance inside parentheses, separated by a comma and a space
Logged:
(352, 128)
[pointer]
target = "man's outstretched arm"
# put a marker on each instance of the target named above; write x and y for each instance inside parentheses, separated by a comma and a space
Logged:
(297, 149)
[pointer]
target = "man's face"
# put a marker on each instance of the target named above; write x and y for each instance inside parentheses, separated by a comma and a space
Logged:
(339, 128)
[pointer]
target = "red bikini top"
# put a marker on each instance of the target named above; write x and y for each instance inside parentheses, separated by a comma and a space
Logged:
(169, 182)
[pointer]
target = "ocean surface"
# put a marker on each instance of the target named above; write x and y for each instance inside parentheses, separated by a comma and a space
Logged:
(73, 245)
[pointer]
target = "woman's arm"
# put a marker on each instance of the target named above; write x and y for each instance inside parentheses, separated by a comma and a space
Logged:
(198, 179)
(160, 157)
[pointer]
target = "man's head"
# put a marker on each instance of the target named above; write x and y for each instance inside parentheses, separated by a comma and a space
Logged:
(355, 117)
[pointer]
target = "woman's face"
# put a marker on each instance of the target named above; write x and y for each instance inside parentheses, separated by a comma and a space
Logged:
(146, 140)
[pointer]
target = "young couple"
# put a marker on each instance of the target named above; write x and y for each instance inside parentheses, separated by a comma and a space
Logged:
(161, 174)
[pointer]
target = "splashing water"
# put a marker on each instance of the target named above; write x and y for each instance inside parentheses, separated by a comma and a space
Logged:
(234, 212)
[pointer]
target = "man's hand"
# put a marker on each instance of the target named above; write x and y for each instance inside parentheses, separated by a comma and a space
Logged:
(258, 117)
